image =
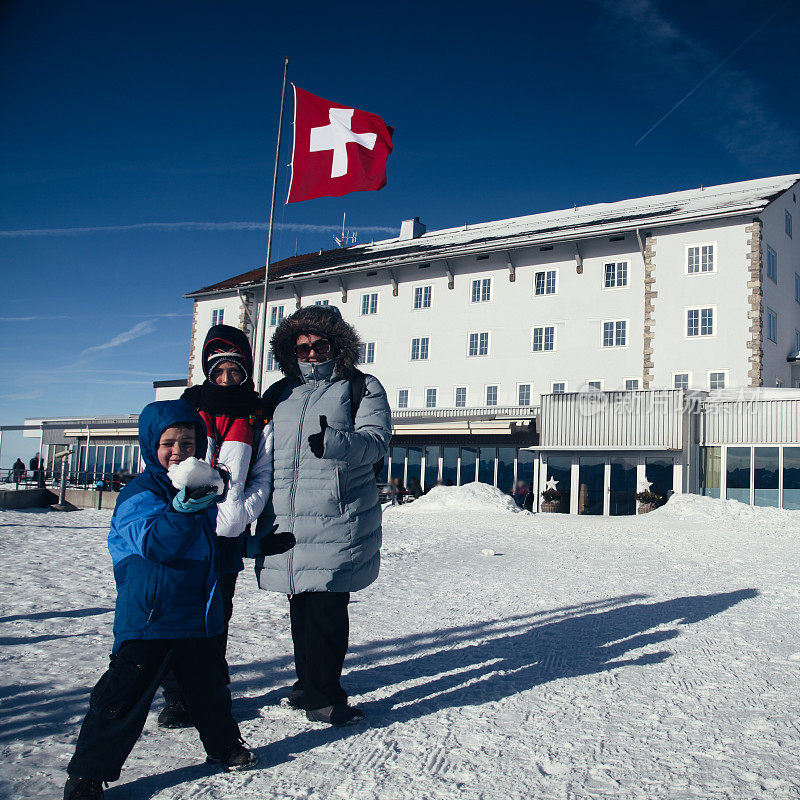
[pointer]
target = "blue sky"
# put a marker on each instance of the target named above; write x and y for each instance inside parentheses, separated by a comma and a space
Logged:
(117, 115)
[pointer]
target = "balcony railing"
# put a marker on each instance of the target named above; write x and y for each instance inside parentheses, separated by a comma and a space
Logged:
(474, 412)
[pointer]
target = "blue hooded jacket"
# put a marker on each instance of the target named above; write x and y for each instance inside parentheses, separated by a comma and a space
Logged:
(163, 559)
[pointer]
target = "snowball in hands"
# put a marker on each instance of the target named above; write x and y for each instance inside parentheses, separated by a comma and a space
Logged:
(193, 473)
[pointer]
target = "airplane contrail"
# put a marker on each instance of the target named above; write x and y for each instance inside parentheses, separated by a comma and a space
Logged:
(715, 70)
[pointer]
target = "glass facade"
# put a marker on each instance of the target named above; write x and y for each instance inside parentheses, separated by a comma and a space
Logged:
(469, 456)
(100, 462)
(737, 474)
(765, 476)
(413, 466)
(486, 465)
(399, 463)
(431, 467)
(505, 468)
(622, 486)
(660, 474)
(526, 461)
(791, 478)
(591, 475)
(450, 466)
(710, 471)
(559, 469)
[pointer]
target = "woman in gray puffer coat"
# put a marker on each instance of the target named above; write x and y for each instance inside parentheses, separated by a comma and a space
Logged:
(325, 493)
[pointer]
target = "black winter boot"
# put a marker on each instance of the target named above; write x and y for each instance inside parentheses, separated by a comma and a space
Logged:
(83, 789)
(297, 699)
(338, 714)
(175, 713)
(237, 759)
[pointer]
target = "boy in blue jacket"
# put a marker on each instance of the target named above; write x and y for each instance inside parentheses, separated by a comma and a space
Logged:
(168, 613)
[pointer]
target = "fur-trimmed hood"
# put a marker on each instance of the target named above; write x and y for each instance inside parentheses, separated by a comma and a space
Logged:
(325, 321)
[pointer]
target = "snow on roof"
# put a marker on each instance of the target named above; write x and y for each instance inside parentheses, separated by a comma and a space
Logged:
(580, 222)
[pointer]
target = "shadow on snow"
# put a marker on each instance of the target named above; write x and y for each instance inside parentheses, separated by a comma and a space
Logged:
(429, 672)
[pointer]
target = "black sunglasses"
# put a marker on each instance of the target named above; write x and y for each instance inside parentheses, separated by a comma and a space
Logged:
(322, 347)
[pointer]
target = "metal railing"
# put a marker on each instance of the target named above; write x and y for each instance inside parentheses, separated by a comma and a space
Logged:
(77, 479)
(475, 412)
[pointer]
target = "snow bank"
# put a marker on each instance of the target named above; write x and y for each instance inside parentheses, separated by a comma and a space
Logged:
(470, 497)
(696, 508)
(194, 473)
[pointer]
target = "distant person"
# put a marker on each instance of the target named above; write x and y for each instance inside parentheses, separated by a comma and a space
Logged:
(332, 426)
(521, 493)
(414, 488)
(240, 445)
(399, 489)
(168, 611)
(18, 470)
(37, 469)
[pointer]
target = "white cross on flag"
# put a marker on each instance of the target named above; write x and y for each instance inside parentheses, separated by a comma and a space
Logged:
(336, 149)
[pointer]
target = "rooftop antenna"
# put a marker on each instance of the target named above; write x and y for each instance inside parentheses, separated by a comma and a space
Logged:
(347, 238)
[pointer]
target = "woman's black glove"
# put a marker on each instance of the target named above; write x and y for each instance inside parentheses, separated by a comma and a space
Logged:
(274, 543)
(316, 441)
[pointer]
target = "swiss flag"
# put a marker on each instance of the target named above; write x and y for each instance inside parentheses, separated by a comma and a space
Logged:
(337, 149)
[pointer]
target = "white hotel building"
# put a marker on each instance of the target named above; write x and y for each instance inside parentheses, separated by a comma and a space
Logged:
(489, 336)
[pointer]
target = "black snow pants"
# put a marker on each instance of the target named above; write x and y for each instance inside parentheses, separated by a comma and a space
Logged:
(320, 631)
(227, 585)
(119, 703)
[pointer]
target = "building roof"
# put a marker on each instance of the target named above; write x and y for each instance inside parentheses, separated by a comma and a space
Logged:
(581, 222)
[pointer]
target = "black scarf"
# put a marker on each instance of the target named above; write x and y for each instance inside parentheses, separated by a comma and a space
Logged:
(241, 400)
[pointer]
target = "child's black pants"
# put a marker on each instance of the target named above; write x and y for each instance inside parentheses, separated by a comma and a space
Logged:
(119, 703)
(320, 631)
(227, 586)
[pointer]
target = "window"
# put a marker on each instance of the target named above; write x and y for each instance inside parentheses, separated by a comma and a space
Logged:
(366, 352)
(402, 398)
(369, 304)
(524, 394)
(616, 274)
(772, 265)
(615, 333)
(559, 387)
(716, 380)
(491, 395)
(322, 302)
(478, 344)
(680, 380)
(482, 290)
(271, 365)
(595, 385)
(544, 338)
(700, 258)
(544, 282)
(430, 398)
(797, 340)
(700, 322)
(796, 288)
(419, 349)
(461, 396)
(788, 224)
(772, 325)
(422, 297)
(275, 315)
(631, 384)
(216, 316)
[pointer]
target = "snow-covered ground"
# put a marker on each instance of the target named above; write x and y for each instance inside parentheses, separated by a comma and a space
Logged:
(653, 657)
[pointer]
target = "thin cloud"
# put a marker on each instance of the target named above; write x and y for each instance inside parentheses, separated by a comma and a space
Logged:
(736, 115)
(32, 319)
(173, 227)
(29, 396)
(138, 330)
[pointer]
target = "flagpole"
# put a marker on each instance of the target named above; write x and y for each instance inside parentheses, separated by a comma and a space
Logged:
(262, 317)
